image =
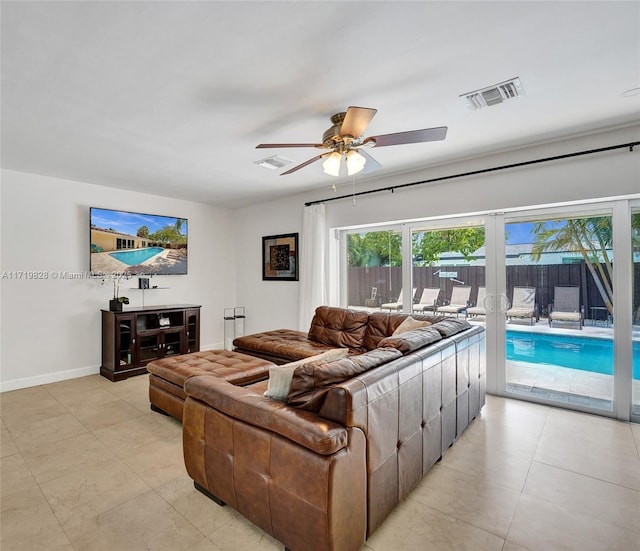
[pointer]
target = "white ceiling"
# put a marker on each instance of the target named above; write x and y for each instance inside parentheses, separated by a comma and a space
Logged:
(171, 98)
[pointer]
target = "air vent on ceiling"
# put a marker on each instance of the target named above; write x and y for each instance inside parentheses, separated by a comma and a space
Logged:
(273, 162)
(493, 95)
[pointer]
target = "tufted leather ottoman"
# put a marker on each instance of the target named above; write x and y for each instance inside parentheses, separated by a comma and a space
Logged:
(168, 375)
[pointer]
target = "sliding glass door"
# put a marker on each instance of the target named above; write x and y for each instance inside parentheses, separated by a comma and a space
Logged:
(557, 289)
(559, 323)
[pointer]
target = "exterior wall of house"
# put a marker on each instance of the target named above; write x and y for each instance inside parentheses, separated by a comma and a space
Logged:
(108, 241)
(50, 318)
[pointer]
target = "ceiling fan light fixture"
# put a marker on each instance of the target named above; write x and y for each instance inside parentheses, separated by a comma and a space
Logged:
(331, 164)
(346, 137)
(355, 162)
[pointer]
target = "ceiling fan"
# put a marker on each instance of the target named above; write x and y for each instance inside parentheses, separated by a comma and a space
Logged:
(345, 139)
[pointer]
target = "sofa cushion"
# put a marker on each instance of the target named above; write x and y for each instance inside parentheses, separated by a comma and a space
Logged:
(280, 376)
(383, 324)
(242, 403)
(412, 340)
(409, 324)
(279, 345)
(312, 380)
(339, 327)
(451, 326)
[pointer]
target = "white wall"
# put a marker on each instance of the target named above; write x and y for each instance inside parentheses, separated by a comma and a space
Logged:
(269, 304)
(274, 304)
(51, 328)
(599, 175)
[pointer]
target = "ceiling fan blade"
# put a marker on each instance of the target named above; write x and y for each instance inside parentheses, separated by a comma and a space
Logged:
(272, 145)
(356, 121)
(312, 160)
(371, 163)
(412, 136)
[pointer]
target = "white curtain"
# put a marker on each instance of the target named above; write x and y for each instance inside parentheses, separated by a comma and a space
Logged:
(313, 282)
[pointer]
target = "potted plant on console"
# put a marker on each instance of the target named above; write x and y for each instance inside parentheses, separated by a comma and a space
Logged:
(115, 304)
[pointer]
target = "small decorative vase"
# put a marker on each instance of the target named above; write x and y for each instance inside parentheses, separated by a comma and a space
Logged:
(115, 305)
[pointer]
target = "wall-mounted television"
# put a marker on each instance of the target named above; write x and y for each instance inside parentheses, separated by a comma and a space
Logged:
(137, 243)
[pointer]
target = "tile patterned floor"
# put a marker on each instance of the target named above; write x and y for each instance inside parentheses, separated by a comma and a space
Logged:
(86, 466)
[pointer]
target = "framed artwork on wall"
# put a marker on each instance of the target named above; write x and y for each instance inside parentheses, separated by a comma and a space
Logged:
(280, 257)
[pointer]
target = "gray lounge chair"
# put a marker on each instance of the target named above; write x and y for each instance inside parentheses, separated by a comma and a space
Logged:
(479, 309)
(523, 305)
(428, 300)
(459, 301)
(566, 306)
(398, 304)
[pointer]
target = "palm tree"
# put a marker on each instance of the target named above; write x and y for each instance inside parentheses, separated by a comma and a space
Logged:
(592, 238)
(178, 225)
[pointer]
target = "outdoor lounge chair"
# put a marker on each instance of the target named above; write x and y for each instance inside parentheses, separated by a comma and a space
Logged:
(459, 301)
(428, 300)
(398, 304)
(566, 306)
(523, 305)
(372, 300)
(479, 309)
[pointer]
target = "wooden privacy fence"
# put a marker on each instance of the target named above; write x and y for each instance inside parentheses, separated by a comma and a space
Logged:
(388, 282)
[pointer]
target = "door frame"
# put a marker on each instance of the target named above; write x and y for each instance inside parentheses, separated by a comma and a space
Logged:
(620, 212)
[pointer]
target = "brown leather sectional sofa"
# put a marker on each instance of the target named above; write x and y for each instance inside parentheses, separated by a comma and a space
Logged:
(323, 470)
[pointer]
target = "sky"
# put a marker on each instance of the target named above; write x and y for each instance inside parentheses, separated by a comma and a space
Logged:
(130, 222)
(519, 234)
(522, 233)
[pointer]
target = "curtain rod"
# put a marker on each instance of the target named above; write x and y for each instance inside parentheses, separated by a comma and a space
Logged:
(630, 145)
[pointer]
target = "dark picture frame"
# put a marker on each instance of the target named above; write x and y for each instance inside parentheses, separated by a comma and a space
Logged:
(280, 257)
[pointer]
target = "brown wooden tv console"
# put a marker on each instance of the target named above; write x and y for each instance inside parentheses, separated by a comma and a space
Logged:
(134, 337)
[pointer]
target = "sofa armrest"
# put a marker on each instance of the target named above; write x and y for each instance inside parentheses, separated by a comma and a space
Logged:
(303, 427)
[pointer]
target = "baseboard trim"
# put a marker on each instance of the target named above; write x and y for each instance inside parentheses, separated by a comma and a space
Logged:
(57, 376)
(46, 378)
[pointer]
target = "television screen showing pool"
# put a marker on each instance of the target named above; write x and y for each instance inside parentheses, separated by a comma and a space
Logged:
(137, 243)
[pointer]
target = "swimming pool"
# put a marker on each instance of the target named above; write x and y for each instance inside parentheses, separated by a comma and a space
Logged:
(584, 353)
(136, 256)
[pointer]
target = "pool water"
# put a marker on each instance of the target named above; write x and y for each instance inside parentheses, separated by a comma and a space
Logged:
(136, 256)
(587, 354)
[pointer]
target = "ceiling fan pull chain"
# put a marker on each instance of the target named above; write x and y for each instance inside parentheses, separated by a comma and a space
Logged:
(353, 180)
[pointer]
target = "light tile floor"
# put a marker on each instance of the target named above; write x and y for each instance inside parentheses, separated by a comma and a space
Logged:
(86, 466)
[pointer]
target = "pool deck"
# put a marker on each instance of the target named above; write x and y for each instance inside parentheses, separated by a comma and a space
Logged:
(562, 384)
(166, 262)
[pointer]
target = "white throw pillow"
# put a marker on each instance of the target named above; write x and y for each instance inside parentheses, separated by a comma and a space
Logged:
(280, 376)
(409, 324)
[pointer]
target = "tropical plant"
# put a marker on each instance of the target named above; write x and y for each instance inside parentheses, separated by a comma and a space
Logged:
(169, 235)
(178, 225)
(592, 238)
(429, 245)
(382, 248)
(143, 231)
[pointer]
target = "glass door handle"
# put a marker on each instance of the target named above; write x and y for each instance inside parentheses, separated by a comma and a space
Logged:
(496, 303)
(504, 303)
(489, 303)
